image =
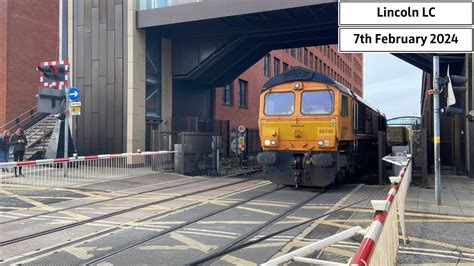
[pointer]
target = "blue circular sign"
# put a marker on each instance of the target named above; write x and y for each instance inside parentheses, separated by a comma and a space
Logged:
(73, 94)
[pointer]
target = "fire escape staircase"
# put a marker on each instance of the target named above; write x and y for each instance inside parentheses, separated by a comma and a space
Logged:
(38, 129)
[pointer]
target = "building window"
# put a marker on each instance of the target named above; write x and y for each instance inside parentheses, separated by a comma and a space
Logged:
(298, 55)
(293, 52)
(285, 66)
(227, 93)
(266, 65)
(305, 59)
(320, 66)
(285, 50)
(243, 89)
(311, 61)
(276, 66)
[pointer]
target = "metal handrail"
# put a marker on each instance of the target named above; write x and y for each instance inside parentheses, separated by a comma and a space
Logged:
(43, 129)
(23, 114)
(23, 120)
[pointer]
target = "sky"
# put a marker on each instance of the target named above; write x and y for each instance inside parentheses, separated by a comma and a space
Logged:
(392, 85)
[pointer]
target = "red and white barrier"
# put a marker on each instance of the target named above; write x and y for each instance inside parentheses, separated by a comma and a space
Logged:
(85, 169)
(380, 243)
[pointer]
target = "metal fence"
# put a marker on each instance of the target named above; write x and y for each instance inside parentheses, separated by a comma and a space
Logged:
(380, 243)
(76, 171)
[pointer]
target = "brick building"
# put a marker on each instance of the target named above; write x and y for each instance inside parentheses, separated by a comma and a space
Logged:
(239, 101)
(28, 36)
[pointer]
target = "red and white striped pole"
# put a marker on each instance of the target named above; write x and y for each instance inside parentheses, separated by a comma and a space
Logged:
(367, 246)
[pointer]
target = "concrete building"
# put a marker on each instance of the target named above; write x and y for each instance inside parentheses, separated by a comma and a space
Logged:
(28, 36)
(238, 101)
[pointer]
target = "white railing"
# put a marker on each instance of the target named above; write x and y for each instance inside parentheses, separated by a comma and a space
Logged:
(380, 243)
(85, 169)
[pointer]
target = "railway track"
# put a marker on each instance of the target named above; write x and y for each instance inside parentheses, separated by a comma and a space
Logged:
(236, 241)
(116, 213)
(124, 197)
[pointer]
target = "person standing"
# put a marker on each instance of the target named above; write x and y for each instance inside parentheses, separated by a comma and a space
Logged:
(19, 142)
(4, 148)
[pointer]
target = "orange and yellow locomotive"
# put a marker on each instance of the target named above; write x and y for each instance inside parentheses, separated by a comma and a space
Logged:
(314, 130)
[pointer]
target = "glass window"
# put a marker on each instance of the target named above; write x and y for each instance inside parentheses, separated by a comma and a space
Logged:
(276, 66)
(227, 93)
(285, 66)
(266, 65)
(344, 107)
(298, 55)
(311, 60)
(317, 102)
(279, 103)
(243, 89)
(305, 56)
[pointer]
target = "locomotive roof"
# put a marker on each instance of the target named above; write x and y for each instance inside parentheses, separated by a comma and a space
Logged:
(304, 74)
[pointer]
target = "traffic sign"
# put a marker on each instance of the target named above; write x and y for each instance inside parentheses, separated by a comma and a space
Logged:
(75, 108)
(73, 94)
(241, 128)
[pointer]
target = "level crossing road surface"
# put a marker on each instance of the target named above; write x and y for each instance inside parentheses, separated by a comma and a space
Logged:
(169, 219)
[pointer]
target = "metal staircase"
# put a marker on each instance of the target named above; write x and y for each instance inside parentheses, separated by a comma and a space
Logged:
(38, 136)
(38, 128)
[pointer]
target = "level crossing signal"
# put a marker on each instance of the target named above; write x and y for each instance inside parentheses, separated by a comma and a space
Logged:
(54, 73)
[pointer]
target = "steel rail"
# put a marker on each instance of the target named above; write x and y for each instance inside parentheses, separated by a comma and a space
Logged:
(121, 197)
(100, 201)
(123, 226)
(177, 227)
(252, 242)
(105, 216)
(212, 256)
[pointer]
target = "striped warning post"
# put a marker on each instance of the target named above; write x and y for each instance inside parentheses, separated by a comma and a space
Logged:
(380, 243)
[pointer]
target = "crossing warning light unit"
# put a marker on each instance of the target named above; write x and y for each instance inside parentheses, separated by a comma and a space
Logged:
(54, 73)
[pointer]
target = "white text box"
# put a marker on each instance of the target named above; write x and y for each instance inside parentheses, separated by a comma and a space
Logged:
(405, 40)
(385, 13)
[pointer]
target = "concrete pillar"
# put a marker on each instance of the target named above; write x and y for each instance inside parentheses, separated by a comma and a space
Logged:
(135, 82)
(166, 85)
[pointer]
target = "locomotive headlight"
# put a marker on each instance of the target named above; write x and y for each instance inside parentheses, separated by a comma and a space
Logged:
(267, 142)
(326, 142)
(320, 143)
(273, 142)
(297, 85)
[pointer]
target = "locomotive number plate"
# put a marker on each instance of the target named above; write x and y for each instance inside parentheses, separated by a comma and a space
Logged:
(326, 131)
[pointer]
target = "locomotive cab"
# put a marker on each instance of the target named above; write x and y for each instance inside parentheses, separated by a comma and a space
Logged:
(304, 118)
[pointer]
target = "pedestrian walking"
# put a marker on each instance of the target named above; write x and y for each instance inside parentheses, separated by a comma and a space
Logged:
(19, 142)
(4, 148)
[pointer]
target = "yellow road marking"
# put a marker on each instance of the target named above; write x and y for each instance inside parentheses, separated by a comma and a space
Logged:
(258, 203)
(313, 225)
(83, 252)
(407, 221)
(441, 244)
(230, 222)
(192, 243)
(206, 234)
(436, 264)
(237, 261)
(339, 251)
(88, 194)
(105, 264)
(256, 210)
(175, 247)
(42, 206)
